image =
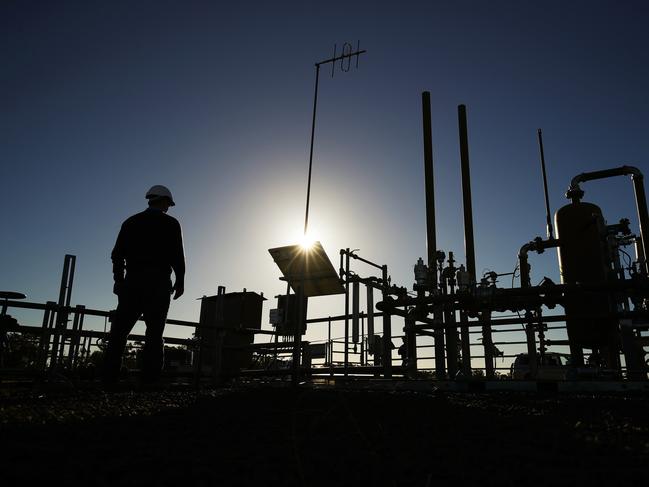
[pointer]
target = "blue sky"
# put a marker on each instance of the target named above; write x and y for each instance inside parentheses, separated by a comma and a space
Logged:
(101, 100)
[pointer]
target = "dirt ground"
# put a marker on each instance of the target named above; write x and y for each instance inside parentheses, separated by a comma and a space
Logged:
(268, 435)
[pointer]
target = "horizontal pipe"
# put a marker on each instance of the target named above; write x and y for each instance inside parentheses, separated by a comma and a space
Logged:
(501, 296)
(605, 173)
(38, 331)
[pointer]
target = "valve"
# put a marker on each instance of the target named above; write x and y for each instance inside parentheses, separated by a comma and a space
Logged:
(421, 272)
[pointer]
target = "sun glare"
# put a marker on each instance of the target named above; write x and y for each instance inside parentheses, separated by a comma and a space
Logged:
(307, 241)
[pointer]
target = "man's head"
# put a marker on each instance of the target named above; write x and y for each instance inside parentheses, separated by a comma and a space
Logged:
(160, 197)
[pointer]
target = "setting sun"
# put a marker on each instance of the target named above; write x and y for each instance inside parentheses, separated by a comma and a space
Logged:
(307, 241)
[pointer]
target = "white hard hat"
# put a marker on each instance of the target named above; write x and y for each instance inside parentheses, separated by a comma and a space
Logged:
(159, 191)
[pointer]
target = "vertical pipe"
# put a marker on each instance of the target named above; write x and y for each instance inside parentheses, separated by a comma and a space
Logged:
(64, 280)
(429, 177)
(70, 281)
(466, 192)
(639, 253)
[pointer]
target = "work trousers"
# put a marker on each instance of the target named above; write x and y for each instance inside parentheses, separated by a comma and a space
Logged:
(136, 299)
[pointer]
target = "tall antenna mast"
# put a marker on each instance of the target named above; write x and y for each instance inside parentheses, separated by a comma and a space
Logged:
(548, 216)
(345, 59)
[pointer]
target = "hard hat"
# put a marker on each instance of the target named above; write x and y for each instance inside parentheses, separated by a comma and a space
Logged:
(159, 191)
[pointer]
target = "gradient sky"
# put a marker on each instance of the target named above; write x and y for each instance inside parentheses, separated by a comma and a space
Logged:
(101, 100)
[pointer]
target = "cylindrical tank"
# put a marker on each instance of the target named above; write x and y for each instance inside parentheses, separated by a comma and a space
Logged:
(584, 258)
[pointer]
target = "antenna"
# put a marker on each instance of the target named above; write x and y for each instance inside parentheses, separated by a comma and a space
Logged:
(346, 55)
(548, 217)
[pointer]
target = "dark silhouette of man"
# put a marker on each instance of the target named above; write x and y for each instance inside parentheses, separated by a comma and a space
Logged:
(149, 246)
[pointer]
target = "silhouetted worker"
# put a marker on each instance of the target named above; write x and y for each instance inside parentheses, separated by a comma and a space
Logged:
(149, 246)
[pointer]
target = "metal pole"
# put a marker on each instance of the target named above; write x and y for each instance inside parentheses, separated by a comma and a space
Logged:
(438, 333)
(643, 216)
(308, 186)
(297, 336)
(68, 297)
(81, 311)
(531, 343)
(466, 344)
(449, 321)
(355, 311)
(466, 192)
(61, 313)
(362, 340)
(411, 347)
(387, 329)
(429, 177)
(44, 345)
(73, 338)
(330, 348)
(220, 335)
(370, 312)
(451, 343)
(548, 215)
(346, 351)
(488, 344)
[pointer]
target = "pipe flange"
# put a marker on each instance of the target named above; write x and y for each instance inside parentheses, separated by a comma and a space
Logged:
(575, 193)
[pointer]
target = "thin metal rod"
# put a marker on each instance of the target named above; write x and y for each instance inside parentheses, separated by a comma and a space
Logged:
(548, 215)
(342, 56)
(469, 244)
(315, 104)
(308, 187)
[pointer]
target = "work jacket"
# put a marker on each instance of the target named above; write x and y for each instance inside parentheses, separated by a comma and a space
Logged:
(149, 246)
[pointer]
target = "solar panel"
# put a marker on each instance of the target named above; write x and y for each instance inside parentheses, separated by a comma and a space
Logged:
(310, 268)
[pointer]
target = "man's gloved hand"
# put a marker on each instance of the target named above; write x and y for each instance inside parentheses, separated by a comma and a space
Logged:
(178, 289)
(118, 287)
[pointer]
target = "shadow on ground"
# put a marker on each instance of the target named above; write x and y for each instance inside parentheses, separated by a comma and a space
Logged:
(280, 436)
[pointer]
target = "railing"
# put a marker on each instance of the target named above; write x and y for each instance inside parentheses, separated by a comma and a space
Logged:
(68, 346)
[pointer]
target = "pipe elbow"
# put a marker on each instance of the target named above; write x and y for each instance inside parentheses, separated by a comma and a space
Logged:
(522, 253)
(574, 182)
(634, 172)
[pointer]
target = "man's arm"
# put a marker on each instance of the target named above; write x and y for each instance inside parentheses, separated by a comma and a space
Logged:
(118, 256)
(178, 261)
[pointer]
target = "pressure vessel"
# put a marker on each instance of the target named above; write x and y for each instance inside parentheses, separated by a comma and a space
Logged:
(584, 258)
